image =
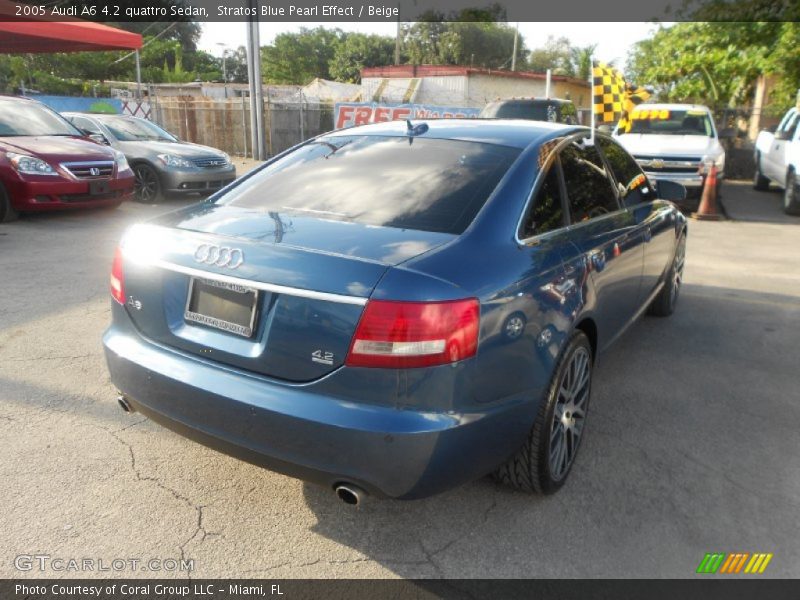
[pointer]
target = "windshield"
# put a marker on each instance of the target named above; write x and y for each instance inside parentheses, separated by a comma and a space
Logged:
(24, 118)
(135, 130)
(535, 111)
(409, 183)
(670, 122)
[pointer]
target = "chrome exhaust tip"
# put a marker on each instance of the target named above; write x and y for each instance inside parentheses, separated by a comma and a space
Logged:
(350, 494)
(124, 404)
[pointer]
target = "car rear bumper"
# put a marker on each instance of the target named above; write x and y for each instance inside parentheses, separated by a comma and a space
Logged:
(305, 432)
(63, 194)
(205, 181)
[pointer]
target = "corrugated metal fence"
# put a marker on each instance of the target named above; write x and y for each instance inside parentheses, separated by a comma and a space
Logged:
(225, 124)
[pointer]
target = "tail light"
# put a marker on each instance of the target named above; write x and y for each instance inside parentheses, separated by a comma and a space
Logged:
(415, 334)
(117, 278)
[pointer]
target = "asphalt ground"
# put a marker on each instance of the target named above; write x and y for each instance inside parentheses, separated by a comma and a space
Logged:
(692, 442)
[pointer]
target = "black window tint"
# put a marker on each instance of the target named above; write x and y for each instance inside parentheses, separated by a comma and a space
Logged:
(791, 127)
(632, 184)
(546, 212)
(589, 190)
(410, 183)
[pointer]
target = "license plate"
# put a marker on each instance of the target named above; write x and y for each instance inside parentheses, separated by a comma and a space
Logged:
(221, 305)
(99, 188)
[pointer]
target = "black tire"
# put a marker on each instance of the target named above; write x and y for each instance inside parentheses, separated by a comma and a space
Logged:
(663, 305)
(7, 212)
(148, 184)
(538, 466)
(791, 194)
(760, 182)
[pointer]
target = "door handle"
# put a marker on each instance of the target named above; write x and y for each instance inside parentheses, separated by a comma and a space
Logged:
(648, 234)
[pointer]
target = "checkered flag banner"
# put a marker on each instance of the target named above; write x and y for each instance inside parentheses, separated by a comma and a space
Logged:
(608, 88)
(613, 97)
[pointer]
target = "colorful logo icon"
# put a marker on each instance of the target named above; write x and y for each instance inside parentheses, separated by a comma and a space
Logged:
(734, 563)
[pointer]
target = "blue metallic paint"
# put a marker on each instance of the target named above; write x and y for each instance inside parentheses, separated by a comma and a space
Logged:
(398, 433)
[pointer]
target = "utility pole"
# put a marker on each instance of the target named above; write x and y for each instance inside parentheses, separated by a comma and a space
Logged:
(256, 89)
(397, 39)
(224, 61)
(138, 77)
(514, 55)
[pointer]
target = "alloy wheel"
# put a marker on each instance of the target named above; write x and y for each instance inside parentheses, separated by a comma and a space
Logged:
(146, 184)
(569, 413)
(677, 270)
(514, 327)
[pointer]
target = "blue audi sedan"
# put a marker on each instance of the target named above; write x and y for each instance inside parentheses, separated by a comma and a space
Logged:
(399, 308)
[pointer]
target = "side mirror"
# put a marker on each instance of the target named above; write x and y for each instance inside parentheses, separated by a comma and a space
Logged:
(99, 138)
(670, 190)
(782, 135)
(771, 128)
(728, 133)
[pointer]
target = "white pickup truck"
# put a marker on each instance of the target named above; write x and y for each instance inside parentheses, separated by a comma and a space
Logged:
(674, 142)
(777, 157)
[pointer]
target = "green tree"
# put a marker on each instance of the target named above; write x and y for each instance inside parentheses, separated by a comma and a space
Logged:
(297, 58)
(582, 61)
(556, 54)
(236, 65)
(559, 55)
(476, 43)
(715, 63)
(357, 51)
(180, 29)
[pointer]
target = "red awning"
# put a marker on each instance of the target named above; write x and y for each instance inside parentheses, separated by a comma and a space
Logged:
(41, 34)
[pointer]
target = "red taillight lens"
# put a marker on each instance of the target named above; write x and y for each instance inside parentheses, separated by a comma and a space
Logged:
(117, 278)
(415, 334)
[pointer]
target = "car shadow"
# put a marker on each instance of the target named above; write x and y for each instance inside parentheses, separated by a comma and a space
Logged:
(667, 438)
(742, 203)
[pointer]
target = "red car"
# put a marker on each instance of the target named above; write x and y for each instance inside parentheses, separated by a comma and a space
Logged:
(46, 163)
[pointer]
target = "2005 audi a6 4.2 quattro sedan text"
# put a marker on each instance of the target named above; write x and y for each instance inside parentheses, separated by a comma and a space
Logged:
(398, 308)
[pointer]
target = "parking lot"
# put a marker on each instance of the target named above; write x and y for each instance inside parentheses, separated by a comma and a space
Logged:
(691, 447)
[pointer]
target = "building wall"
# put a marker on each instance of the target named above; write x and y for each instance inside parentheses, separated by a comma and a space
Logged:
(473, 90)
(485, 88)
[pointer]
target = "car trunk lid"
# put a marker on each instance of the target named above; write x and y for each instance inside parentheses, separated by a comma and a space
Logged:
(307, 281)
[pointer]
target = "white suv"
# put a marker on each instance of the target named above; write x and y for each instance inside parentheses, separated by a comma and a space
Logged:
(674, 142)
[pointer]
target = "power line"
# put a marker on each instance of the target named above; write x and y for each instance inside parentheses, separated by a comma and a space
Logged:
(145, 45)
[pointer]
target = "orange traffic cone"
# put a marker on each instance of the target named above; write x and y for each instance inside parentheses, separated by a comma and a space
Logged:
(707, 211)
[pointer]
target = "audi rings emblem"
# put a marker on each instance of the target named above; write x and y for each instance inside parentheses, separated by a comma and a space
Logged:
(219, 256)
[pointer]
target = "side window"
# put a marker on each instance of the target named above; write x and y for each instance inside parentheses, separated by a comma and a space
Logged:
(85, 124)
(791, 127)
(546, 211)
(787, 118)
(589, 189)
(632, 184)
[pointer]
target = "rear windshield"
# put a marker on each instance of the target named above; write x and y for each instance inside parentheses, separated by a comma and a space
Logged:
(408, 183)
(534, 111)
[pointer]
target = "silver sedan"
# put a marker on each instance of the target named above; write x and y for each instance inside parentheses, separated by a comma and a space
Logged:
(163, 164)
